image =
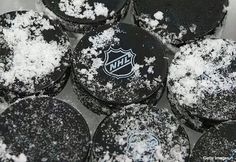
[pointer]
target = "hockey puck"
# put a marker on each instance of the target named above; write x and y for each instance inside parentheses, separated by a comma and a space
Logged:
(140, 133)
(113, 67)
(43, 129)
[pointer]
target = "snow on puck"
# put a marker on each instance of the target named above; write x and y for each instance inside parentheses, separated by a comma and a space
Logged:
(43, 129)
(179, 22)
(84, 15)
(140, 133)
(201, 82)
(120, 65)
(35, 54)
(216, 145)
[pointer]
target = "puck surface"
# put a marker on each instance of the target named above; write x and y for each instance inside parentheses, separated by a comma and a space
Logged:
(43, 129)
(201, 79)
(113, 67)
(217, 144)
(180, 21)
(140, 133)
(34, 52)
(85, 11)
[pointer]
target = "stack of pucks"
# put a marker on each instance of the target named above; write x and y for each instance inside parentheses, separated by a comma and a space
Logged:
(202, 83)
(217, 144)
(180, 21)
(118, 65)
(43, 130)
(84, 15)
(34, 55)
(140, 133)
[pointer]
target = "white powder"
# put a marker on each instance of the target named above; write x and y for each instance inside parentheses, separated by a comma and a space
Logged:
(81, 9)
(193, 28)
(98, 43)
(158, 27)
(150, 70)
(159, 15)
(33, 57)
(3, 105)
(5, 154)
(149, 60)
(93, 60)
(141, 139)
(204, 68)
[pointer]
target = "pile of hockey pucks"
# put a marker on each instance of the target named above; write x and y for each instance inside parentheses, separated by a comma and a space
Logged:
(119, 70)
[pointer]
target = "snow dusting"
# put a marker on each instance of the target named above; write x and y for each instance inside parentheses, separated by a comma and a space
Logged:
(139, 133)
(32, 56)
(99, 42)
(158, 26)
(91, 61)
(5, 154)
(216, 144)
(202, 77)
(82, 9)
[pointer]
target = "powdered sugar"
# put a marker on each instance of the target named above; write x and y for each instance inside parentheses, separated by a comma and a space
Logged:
(201, 70)
(32, 56)
(82, 9)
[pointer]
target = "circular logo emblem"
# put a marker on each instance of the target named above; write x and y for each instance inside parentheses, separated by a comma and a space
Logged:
(142, 145)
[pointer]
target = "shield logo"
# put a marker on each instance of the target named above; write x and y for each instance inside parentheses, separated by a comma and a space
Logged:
(119, 63)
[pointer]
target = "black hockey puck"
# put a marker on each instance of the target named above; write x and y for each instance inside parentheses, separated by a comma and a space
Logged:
(216, 145)
(120, 65)
(85, 15)
(43, 129)
(180, 21)
(35, 55)
(102, 108)
(201, 83)
(140, 133)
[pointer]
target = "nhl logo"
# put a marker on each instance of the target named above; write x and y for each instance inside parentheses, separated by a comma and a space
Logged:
(147, 141)
(119, 63)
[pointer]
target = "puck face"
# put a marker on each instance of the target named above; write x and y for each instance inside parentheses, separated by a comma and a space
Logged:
(114, 67)
(97, 106)
(100, 107)
(34, 52)
(43, 129)
(217, 144)
(52, 90)
(85, 11)
(180, 21)
(201, 79)
(140, 133)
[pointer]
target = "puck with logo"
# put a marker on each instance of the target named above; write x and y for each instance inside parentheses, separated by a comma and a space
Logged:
(180, 21)
(43, 129)
(35, 55)
(83, 16)
(201, 83)
(116, 70)
(140, 133)
(217, 144)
